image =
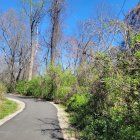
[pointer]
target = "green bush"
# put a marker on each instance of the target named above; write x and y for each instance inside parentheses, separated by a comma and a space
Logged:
(55, 85)
(62, 93)
(67, 78)
(2, 90)
(22, 87)
(59, 83)
(77, 101)
(34, 87)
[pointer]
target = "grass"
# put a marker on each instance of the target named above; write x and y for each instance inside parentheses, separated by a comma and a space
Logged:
(7, 107)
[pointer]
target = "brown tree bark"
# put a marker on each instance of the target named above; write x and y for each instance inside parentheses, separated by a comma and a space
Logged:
(55, 31)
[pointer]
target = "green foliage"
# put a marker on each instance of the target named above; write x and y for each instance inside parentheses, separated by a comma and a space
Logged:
(22, 87)
(34, 87)
(137, 38)
(77, 101)
(62, 93)
(134, 41)
(137, 55)
(62, 81)
(67, 78)
(112, 111)
(55, 85)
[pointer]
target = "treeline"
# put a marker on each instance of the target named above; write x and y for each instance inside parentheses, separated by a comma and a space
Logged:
(97, 80)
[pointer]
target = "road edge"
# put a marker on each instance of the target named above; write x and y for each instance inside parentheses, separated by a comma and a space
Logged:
(63, 122)
(21, 106)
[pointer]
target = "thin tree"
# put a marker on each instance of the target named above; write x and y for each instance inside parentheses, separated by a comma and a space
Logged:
(35, 13)
(32, 47)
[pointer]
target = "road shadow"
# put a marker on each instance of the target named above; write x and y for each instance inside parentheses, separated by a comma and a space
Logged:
(51, 128)
(31, 97)
(24, 97)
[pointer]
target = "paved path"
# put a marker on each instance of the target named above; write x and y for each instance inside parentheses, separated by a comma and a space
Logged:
(38, 121)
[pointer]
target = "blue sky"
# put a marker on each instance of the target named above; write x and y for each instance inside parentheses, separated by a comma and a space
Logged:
(84, 9)
(78, 10)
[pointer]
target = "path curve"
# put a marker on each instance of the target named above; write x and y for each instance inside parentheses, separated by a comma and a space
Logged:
(21, 106)
(38, 121)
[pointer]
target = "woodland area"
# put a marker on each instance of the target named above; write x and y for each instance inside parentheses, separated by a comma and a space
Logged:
(95, 73)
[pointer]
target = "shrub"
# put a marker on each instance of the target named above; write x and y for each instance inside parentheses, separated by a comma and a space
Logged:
(67, 78)
(59, 83)
(77, 101)
(55, 85)
(62, 93)
(34, 87)
(22, 87)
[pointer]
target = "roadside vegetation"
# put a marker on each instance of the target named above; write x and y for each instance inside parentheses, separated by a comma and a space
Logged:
(7, 107)
(103, 99)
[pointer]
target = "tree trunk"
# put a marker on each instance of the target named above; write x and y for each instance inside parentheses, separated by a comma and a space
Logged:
(55, 33)
(32, 45)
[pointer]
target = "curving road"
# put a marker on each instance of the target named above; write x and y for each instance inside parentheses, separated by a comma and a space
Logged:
(38, 121)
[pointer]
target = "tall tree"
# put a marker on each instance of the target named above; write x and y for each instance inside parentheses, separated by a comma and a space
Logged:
(14, 45)
(32, 47)
(55, 15)
(35, 12)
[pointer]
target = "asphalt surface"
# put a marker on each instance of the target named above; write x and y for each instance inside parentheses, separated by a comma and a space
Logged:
(38, 121)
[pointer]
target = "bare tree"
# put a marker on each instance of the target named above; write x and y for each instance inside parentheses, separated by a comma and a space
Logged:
(14, 46)
(55, 14)
(35, 12)
(94, 36)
